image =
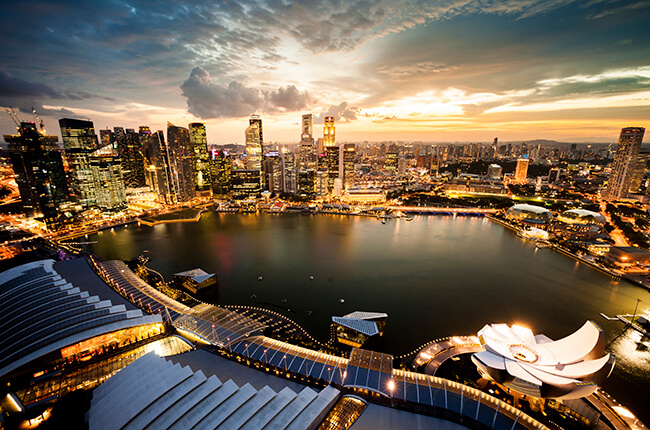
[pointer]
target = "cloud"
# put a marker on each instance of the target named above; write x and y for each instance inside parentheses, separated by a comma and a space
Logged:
(340, 113)
(207, 99)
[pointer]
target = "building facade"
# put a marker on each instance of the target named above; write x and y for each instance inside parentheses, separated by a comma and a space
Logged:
(181, 160)
(79, 141)
(201, 168)
(625, 163)
(329, 132)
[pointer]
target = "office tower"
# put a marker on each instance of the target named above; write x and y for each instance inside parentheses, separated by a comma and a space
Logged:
(495, 172)
(322, 182)
(332, 157)
(273, 172)
(289, 172)
(79, 141)
(307, 182)
(221, 173)
(636, 182)
(329, 136)
(391, 158)
(253, 147)
(131, 157)
(246, 183)
(38, 166)
(348, 158)
(256, 119)
(158, 168)
(199, 142)
(307, 148)
(181, 160)
(522, 170)
(401, 164)
(625, 162)
(107, 177)
(106, 137)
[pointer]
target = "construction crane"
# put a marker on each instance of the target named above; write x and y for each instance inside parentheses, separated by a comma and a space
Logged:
(41, 124)
(14, 116)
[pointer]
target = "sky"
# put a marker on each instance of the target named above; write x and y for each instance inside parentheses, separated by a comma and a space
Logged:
(387, 70)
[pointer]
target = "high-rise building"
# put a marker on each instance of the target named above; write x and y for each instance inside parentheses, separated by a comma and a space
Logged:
(253, 147)
(306, 182)
(625, 163)
(273, 172)
(38, 166)
(494, 172)
(181, 160)
(308, 150)
(636, 183)
(158, 167)
(392, 158)
(221, 173)
(348, 158)
(199, 142)
(329, 135)
(129, 149)
(246, 183)
(79, 141)
(289, 172)
(522, 170)
(256, 119)
(108, 180)
(332, 157)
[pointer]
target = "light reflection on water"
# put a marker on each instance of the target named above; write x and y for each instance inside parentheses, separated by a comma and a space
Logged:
(435, 276)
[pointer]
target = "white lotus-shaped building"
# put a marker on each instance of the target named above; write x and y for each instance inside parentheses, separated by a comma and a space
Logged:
(534, 365)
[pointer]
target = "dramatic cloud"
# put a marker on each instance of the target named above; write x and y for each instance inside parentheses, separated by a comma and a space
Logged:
(206, 99)
(340, 113)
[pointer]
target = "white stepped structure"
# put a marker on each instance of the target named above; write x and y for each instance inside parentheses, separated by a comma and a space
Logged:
(155, 393)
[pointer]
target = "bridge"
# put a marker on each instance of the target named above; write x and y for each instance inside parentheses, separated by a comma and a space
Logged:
(442, 210)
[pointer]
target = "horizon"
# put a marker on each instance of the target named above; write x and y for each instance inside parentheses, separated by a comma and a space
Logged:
(436, 72)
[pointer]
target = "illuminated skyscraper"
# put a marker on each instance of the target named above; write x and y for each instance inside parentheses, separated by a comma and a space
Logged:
(108, 180)
(131, 158)
(522, 170)
(392, 158)
(181, 160)
(246, 183)
(349, 152)
(329, 136)
(79, 140)
(38, 167)
(307, 148)
(221, 173)
(255, 119)
(625, 163)
(199, 142)
(158, 167)
(253, 147)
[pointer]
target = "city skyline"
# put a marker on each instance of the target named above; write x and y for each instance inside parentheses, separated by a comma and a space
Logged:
(456, 71)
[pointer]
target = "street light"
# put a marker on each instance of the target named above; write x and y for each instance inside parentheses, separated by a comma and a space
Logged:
(635, 308)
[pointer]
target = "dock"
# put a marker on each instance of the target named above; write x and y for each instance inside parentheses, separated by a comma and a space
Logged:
(624, 319)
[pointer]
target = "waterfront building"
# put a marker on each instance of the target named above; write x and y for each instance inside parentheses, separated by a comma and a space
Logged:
(195, 280)
(201, 167)
(181, 161)
(253, 147)
(329, 133)
(322, 182)
(289, 172)
(522, 170)
(581, 216)
(332, 161)
(40, 176)
(79, 141)
(273, 172)
(246, 183)
(348, 158)
(108, 179)
(629, 255)
(131, 157)
(221, 172)
(625, 163)
(534, 365)
(360, 328)
(529, 214)
(158, 168)
(307, 182)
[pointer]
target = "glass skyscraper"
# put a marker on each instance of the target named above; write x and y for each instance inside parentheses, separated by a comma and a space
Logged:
(79, 141)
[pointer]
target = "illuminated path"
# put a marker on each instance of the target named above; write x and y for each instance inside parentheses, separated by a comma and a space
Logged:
(434, 354)
(433, 209)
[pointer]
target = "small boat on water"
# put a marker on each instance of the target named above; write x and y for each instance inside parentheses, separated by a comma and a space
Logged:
(409, 218)
(341, 300)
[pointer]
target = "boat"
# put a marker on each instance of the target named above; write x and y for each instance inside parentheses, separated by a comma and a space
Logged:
(409, 218)
(341, 300)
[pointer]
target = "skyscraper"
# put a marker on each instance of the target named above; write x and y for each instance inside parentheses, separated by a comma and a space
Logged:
(307, 148)
(108, 179)
(253, 147)
(522, 170)
(221, 173)
(38, 166)
(199, 142)
(329, 136)
(158, 167)
(255, 119)
(131, 158)
(625, 163)
(348, 156)
(79, 141)
(181, 161)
